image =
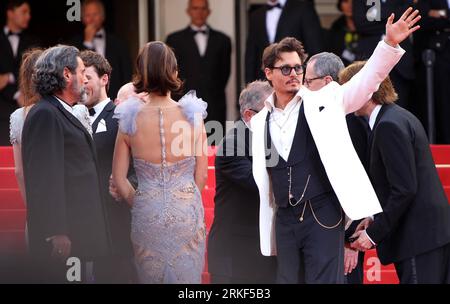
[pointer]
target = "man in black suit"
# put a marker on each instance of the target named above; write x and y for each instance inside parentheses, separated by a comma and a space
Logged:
(96, 39)
(117, 266)
(275, 21)
(370, 21)
(65, 211)
(234, 255)
(13, 42)
(203, 56)
(436, 23)
(413, 231)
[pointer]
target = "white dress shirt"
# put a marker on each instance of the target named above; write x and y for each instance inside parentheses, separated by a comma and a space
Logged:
(272, 18)
(282, 124)
(98, 44)
(373, 116)
(200, 38)
(13, 40)
(65, 105)
(98, 109)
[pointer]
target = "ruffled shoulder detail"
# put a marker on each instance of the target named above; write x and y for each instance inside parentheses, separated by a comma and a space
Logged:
(16, 121)
(126, 113)
(81, 112)
(194, 108)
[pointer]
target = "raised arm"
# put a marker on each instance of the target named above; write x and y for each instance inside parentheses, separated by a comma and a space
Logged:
(387, 54)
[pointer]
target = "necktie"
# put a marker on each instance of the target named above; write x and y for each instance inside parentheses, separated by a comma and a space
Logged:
(91, 112)
(271, 6)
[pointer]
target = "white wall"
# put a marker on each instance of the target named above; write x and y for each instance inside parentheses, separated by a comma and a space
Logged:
(172, 17)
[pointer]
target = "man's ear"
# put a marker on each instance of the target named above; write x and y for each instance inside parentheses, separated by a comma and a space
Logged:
(67, 74)
(328, 79)
(105, 80)
(268, 73)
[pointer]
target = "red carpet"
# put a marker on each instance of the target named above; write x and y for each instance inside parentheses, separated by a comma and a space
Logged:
(13, 213)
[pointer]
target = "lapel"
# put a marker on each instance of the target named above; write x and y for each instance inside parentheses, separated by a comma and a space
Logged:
(192, 44)
(106, 110)
(269, 148)
(5, 39)
(73, 120)
(23, 45)
(282, 22)
(262, 25)
(296, 156)
(371, 135)
(210, 41)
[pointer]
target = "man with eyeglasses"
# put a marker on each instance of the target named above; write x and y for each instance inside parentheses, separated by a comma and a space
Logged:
(317, 169)
(321, 69)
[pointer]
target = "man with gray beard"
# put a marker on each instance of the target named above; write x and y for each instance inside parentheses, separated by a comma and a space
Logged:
(65, 214)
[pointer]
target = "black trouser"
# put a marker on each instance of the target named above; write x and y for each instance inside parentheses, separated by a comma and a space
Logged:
(432, 267)
(306, 251)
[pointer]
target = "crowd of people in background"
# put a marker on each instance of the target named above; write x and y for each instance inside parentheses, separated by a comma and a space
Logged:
(96, 164)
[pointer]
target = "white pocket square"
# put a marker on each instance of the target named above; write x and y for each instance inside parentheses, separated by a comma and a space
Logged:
(101, 126)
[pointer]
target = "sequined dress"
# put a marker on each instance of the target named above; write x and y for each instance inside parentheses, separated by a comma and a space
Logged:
(167, 229)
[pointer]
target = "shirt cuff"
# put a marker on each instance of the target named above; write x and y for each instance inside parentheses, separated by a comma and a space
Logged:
(394, 48)
(12, 79)
(88, 44)
(373, 243)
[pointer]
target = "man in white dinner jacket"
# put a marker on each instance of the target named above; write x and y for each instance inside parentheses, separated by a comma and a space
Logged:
(304, 163)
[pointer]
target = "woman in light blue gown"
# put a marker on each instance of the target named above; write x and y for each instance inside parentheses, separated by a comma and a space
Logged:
(167, 141)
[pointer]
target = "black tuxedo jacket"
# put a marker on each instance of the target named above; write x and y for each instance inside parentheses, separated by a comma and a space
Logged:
(298, 19)
(118, 216)
(208, 75)
(61, 181)
(233, 244)
(370, 33)
(416, 214)
(118, 56)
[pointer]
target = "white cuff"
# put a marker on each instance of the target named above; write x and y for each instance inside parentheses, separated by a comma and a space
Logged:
(12, 79)
(373, 243)
(397, 48)
(88, 44)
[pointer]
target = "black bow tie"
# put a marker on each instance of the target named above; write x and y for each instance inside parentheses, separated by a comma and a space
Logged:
(271, 6)
(99, 36)
(91, 112)
(12, 34)
(204, 32)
